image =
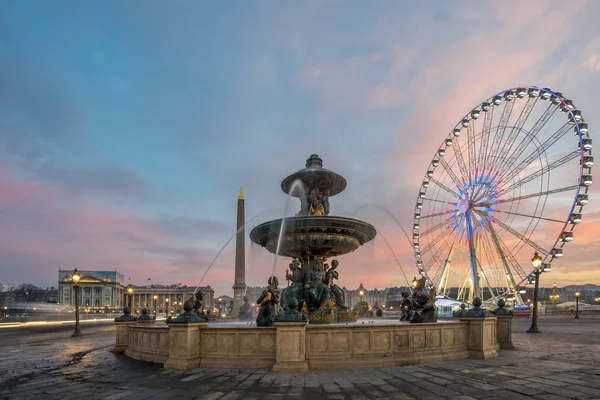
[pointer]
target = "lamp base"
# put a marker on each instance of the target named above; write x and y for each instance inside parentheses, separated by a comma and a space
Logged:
(77, 333)
(534, 329)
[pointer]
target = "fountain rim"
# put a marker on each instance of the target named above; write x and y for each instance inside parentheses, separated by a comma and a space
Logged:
(265, 228)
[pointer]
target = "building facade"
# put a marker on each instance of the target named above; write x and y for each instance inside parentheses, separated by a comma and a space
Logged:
(169, 298)
(373, 297)
(97, 289)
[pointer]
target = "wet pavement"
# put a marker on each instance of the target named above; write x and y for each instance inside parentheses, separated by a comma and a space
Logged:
(563, 362)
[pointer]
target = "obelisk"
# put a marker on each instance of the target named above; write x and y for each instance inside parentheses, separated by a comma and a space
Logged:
(239, 286)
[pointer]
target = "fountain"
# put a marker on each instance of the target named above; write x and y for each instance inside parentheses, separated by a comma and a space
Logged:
(310, 238)
(304, 334)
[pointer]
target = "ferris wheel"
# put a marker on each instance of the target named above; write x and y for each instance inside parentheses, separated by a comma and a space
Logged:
(510, 179)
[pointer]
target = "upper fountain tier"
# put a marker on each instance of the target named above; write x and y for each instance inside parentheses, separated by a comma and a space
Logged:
(314, 176)
(312, 232)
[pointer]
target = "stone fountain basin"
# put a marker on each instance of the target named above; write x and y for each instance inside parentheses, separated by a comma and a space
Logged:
(302, 236)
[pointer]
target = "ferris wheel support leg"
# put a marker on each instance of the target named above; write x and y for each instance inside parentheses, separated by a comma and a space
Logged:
(472, 256)
(510, 280)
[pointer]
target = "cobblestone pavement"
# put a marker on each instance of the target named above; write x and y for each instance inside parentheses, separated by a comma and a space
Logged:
(563, 362)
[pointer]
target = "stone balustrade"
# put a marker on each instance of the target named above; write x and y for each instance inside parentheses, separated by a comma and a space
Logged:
(148, 342)
(297, 347)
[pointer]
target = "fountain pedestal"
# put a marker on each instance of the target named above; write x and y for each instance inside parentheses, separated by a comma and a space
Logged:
(310, 238)
(184, 351)
(291, 347)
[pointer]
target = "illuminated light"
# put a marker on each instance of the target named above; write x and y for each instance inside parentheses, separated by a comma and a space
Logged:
(545, 94)
(422, 195)
(416, 245)
(587, 143)
(582, 199)
(556, 253)
(575, 219)
(475, 114)
(465, 122)
(522, 291)
(566, 236)
(419, 205)
(533, 92)
(556, 101)
(415, 236)
(588, 161)
(583, 128)
(429, 173)
(435, 163)
(577, 115)
(456, 132)
(536, 260)
(425, 184)
(586, 180)
(448, 142)
(497, 100)
(416, 226)
(441, 152)
(546, 267)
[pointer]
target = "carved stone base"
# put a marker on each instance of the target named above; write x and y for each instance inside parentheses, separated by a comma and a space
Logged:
(483, 342)
(184, 351)
(291, 347)
(290, 366)
(122, 336)
(504, 329)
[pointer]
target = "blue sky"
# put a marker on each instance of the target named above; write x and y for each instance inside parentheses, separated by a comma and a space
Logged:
(127, 128)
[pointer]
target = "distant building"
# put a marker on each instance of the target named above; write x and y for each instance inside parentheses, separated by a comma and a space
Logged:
(3, 287)
(254, 292)
(97, 289)
(224, 304)
(31, 294)
(169, 297)
(373, 297)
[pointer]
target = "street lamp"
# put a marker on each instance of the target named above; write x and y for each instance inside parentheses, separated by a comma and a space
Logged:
(554, 296)
(537, 263)
(155, 300)
(361, 294)
(76, 277)
(130, 293)
(414, 282)
(167, 308)
(577, 294)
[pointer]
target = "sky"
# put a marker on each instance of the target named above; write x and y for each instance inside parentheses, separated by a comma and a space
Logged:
(128, 128)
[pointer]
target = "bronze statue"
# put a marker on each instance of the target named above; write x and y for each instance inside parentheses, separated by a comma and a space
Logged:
(422, 306)
(405, 307)
(331, 275)
(317, 292)
(269, 303)
(292, 314)
(245, 313)
(296, 290)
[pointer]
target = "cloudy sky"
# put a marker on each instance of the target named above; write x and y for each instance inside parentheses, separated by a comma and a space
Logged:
(128, 128)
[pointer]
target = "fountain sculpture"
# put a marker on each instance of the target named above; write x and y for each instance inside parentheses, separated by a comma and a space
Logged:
(310, 238)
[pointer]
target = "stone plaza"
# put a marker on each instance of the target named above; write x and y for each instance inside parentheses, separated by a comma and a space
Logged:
(563, 362)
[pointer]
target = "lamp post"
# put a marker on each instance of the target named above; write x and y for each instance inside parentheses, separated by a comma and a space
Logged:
(554, 297)
(76, 277)
(155, 300)
(361, 294)
(577, 294)
(537, 263)
(167, 308)
(129, 294)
